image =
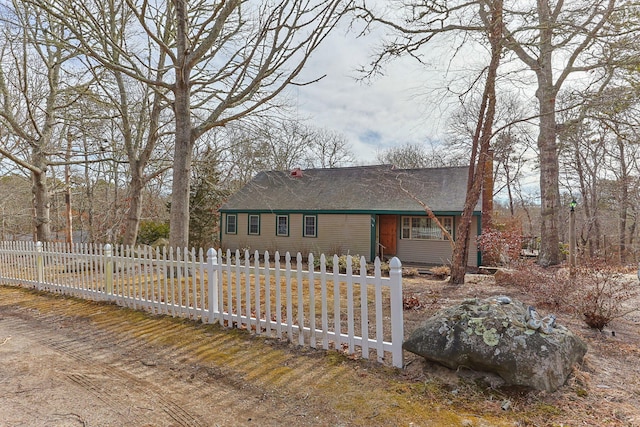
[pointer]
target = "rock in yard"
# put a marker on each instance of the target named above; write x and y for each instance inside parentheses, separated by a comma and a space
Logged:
(502, 336)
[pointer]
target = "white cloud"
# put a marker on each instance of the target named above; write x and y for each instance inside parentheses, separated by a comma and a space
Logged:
(389, 110)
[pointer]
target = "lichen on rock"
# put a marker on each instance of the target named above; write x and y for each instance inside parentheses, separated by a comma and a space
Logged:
(490, 337)
(503, 336)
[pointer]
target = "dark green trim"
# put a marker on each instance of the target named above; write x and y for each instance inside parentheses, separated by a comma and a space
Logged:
(304, 225)
(220, 229)
(478, 232)
(288, 225)
(226, 223)
(372, 251)
(342, 212)
(249, 233)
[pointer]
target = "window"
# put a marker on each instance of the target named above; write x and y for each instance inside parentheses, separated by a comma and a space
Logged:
(447, 223)
(424, 228)
(232, 224)
(310, 228)
(282, 225)
(254, 224)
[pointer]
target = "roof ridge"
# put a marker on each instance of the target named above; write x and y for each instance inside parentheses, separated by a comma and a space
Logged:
(389, 166)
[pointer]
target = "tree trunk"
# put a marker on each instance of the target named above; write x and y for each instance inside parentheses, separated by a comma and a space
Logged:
(67, 195)
(549, 188)
(624, 202)
(68, 234)
(487, 193)
(482, 138)
(42, 206)
(132, 224)
(547, 146)
(183, 152)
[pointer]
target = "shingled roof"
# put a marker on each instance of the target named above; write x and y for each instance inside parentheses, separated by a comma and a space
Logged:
(380, 188)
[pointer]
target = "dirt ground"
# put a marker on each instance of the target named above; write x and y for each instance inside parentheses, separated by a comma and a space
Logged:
(66, 362)
(57, 371)
(604, 390)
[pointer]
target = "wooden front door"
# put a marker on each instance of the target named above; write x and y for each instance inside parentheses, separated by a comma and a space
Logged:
(388, 234)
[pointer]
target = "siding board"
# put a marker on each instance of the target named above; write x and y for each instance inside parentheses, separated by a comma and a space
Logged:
(337, 233)
(437, 252)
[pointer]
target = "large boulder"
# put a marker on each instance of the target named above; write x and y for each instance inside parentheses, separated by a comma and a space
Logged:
(502, 336)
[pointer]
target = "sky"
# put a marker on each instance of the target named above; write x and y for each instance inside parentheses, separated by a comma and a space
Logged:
(374, 115)
(396, 108)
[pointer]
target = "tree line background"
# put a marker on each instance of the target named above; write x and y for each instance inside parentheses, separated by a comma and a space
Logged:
(129, 120)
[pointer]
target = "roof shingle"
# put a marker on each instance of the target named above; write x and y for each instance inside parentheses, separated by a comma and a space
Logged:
(379, 188)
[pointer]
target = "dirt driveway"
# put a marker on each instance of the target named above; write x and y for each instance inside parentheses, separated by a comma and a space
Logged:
(64, 371)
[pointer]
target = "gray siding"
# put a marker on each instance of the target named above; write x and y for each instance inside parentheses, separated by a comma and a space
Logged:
(437, 252)
(336, 233)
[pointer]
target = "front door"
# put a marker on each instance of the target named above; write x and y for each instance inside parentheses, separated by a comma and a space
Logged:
(388, 235)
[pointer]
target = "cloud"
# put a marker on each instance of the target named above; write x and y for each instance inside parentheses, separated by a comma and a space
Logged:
(388, 110)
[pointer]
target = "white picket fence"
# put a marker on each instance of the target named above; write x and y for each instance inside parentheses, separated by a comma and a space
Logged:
(274, 296)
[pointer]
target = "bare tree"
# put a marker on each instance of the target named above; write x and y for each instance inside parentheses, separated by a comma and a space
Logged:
(249, 146)
(137, 110)
(225, 61)
(423, 23)
(328, 149)
(601, 152)
(414, 155)
(35, 87)
(511, 146)
(288, 143)
(555, 32)
(492, 16)
(554, 39)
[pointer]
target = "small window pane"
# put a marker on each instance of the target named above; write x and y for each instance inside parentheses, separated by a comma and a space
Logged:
(419, 228)
(283, 225)
(309, 226)
(254, 224)
(231, 224)
(447, 223)
(406, 227)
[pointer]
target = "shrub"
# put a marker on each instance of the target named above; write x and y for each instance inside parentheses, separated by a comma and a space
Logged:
(500, 247)
(550, 288)
(598, 293)
(411, 302)
(408, 272)
(604, 294)
(151, 231)
(440, 271)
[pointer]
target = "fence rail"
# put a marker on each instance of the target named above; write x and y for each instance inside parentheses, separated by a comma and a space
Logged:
(305, 301)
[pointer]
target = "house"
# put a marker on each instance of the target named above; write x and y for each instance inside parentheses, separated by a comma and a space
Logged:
(364, 210)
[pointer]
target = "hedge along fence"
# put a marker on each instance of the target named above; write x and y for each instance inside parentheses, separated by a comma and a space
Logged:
(274, 296)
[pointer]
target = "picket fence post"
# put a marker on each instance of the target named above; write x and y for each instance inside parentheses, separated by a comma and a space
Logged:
(212, 263)
(397, 328)
(108, 271)
(39, 265)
